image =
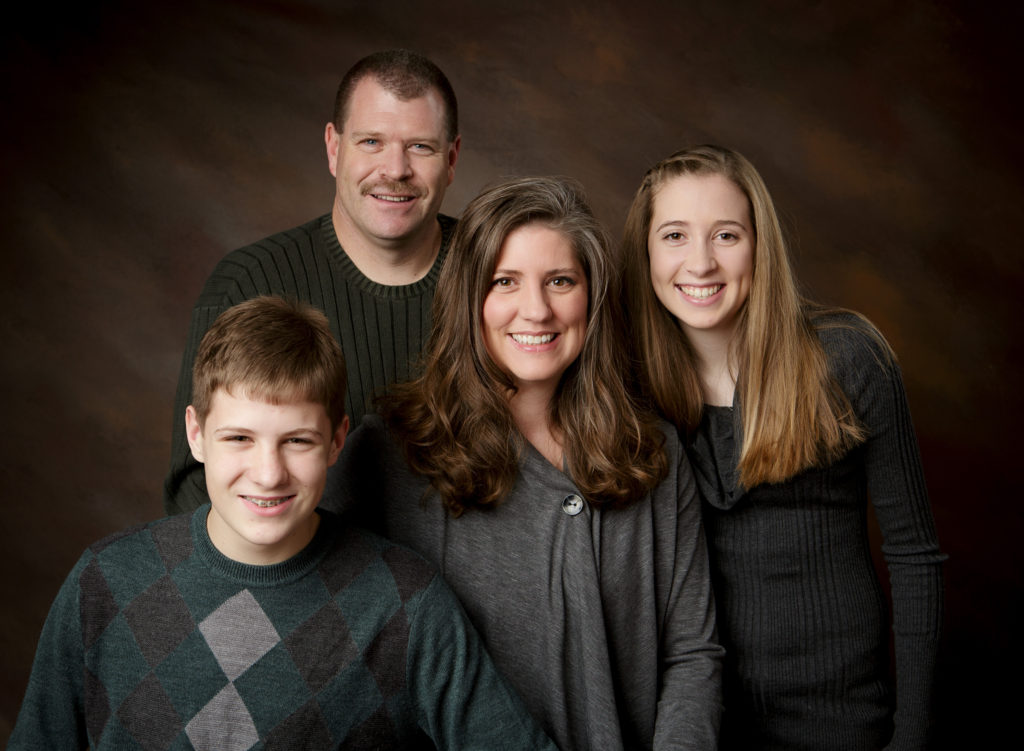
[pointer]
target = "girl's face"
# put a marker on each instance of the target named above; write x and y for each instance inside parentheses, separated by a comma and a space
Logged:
(535, 313)
(701, 247)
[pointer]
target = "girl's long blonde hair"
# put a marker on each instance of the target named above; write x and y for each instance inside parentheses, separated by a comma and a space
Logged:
(794, 414)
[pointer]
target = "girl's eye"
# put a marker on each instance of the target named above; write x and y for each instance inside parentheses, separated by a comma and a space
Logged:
(674, 236)
(728, 236)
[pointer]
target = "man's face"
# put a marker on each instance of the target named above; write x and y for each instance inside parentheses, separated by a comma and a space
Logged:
(392, 162)
(266, 465)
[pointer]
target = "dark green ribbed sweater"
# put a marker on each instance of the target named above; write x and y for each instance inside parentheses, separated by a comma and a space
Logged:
(382, 328)
(801, 614)
(157, 641)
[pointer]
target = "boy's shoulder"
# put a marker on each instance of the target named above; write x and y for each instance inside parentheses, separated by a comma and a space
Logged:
(361, 558)
(169, 539)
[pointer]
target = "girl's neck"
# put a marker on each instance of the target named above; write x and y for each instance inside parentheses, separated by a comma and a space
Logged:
(716, 366)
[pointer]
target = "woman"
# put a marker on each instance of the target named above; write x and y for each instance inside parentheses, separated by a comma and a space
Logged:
(566, 521)
(794, 416)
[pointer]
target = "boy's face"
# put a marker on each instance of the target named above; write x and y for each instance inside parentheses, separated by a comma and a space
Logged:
(266, 465)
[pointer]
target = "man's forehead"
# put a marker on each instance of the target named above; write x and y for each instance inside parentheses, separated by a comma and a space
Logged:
(373, 106)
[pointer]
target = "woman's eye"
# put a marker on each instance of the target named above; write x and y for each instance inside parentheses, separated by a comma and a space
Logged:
(674, 236)
(562, 281)
(503, 282)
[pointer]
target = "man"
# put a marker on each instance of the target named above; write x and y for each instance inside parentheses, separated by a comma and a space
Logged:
(371, 264)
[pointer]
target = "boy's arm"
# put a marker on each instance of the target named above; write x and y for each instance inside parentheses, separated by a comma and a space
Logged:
(461, 699)
(52, 713)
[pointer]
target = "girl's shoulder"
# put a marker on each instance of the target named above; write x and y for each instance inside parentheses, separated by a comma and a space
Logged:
(849, 338)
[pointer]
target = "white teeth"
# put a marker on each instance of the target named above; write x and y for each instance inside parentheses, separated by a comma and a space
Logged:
(393, 199)
(262, 503)
(699, 292)
(529, 339)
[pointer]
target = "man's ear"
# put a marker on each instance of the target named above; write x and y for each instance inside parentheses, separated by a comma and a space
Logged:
(331, 141)
(453, 157)
(194, 432)
(337, 441)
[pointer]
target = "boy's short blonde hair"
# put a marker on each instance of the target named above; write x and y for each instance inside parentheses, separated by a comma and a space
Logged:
(274, 350)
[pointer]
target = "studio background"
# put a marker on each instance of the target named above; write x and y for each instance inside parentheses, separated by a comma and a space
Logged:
(143, 141)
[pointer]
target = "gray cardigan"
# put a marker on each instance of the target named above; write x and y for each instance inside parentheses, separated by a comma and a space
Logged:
(603, 620)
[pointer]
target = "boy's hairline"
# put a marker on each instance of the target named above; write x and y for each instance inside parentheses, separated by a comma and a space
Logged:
(276, 399)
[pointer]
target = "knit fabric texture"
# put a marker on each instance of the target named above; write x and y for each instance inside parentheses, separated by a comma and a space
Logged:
(381, 328)
(157, 641)
(602, 619)
(801, 613)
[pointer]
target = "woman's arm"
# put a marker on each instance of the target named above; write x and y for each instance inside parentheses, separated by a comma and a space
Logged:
(689, 700)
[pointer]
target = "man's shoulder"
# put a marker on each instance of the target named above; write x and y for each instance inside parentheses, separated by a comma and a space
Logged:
(306, 235)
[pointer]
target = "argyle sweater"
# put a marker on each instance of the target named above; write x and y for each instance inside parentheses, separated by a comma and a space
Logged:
(157, 641)
(381, 328)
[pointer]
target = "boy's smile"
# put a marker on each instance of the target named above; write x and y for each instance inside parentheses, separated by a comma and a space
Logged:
(266, 465)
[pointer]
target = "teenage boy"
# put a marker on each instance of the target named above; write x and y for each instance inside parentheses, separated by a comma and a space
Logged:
(259, 621)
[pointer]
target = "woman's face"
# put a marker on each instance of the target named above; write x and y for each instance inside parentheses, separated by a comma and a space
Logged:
(535, 313)
(701, 247)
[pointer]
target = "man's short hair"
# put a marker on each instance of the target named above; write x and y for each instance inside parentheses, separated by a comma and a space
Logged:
(272, 350)
(405, 74)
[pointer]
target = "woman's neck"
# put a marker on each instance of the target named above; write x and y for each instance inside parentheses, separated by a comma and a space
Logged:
(531, 412)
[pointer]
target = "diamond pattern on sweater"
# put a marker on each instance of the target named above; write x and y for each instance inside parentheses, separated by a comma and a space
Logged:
(172, 540)
(338, 572)
(220, 629)
(317, 661)
(148, 715)
(304, 730)
(224, 724)
(380, 657)
(97, 705)
(102, 605)
(159, 620)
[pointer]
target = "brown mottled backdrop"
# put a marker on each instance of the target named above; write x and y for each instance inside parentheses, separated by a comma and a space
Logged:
(142, 141)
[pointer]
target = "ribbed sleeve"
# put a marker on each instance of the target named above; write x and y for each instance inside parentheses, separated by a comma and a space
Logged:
(801, 614)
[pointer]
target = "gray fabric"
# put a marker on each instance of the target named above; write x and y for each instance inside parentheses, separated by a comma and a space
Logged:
(603, 620)
(800, 611)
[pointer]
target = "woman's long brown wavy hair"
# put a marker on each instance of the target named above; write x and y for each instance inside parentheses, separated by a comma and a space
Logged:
(794, 414)
(454, 420)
